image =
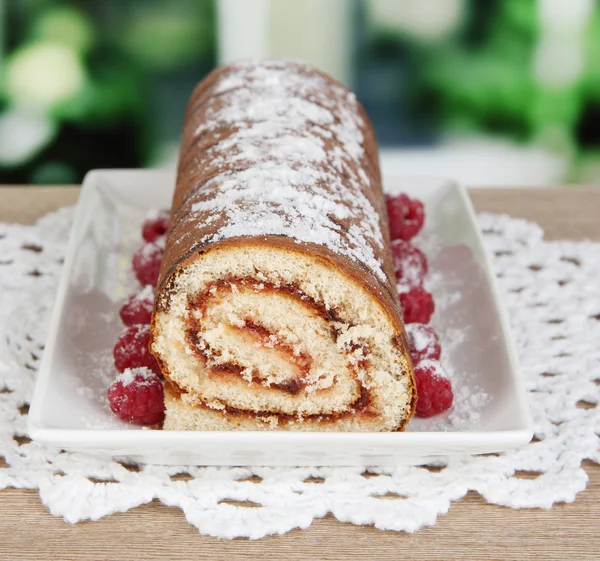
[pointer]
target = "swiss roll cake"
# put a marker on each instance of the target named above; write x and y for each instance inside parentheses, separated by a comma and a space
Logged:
(276, 306)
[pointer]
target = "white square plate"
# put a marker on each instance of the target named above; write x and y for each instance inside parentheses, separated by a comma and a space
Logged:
(69, 408)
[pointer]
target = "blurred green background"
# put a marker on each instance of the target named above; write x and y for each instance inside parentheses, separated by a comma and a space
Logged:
(525, 72)
(97, 83)
(103, 83)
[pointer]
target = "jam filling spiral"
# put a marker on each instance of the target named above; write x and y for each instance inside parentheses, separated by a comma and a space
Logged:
(295, 364)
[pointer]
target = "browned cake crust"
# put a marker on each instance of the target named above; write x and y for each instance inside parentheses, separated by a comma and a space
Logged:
(278, 156)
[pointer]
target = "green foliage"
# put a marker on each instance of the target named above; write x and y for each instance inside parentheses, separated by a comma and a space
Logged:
(54, 173)
(484, 87)
(163, 39)
(556, 107)
(112, 92)
(488, 84)
(66, 25)
(591, 78)
(92, 68)
(42, 75)
(483, 79)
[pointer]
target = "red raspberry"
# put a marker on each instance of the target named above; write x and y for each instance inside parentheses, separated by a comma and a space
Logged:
(138, 308)
(146, 263)
(417, 305)
(410, 263)
(406, 216)
(423, 342)
(131, 350)
(434, 390)
(136, 396)
(155, 226)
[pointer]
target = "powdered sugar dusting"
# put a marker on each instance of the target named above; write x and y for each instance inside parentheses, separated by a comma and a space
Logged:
(142, 376)
(154, 213)
(436, 284)
(469, 398)
(466, 410)
(298, 139)
(450, 294)
(147, 293)
(151, 251)
(420, 336)
(412, 270)
(435, 367)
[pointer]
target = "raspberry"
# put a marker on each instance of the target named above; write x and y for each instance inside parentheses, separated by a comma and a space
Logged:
(406, 216)
(138, 308)
(131, 350)
(423, 342)
(146, 263)
(417, 305)
(434, 390)
(156, 226)
(410, 263)
(136, 396)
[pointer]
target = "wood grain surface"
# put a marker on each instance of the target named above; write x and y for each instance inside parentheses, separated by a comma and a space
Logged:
(471, 530)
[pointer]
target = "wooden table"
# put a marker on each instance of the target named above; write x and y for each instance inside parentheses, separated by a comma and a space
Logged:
(471, 530)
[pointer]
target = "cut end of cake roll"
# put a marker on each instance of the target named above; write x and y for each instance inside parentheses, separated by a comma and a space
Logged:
(254, 335)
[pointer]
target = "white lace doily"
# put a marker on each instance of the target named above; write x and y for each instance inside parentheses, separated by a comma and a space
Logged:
(552, 296)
